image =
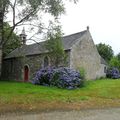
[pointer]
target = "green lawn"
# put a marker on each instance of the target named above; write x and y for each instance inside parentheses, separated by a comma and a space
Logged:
(95, 93)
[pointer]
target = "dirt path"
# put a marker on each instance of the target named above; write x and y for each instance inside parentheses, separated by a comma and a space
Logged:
(101, 114)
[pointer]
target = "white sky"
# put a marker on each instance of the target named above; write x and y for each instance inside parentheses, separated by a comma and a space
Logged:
(102, 16)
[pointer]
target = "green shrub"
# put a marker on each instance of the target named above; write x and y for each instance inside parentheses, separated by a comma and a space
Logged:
(82, 74)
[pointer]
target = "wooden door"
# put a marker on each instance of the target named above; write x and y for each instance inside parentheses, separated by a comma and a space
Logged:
(26, 73)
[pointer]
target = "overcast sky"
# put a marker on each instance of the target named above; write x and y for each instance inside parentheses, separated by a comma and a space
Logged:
(102, 16)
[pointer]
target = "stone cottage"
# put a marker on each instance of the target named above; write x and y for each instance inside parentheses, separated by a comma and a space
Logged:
(22, 63)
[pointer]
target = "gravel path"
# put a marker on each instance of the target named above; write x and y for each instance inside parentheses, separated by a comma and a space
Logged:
(101, 114)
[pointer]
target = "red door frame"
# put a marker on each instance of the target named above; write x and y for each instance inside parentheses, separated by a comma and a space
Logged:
(26, 73)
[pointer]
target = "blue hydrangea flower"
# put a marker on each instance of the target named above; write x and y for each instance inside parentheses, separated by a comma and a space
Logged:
(62, 77)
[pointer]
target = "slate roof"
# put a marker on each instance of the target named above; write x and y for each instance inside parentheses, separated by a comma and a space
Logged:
(39, 48)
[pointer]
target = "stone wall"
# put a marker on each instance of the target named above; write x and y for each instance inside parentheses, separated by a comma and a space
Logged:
(14, 67)
(85, 55)
(0, 62)
(102, 71)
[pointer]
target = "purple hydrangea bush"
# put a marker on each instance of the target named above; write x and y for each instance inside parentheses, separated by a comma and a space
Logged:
(113, 73)
(62, 77)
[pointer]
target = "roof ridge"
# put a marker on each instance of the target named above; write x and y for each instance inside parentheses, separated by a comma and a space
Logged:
(62, 37)
(74, 33)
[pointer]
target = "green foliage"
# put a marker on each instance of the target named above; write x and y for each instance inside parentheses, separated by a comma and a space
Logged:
(118, 56)
(54, 7)
(29, 12)
(105, 51)
(55, 79)
(82, 75)
(54, 45)
(12, 43)
(114, 62)
(82, 72)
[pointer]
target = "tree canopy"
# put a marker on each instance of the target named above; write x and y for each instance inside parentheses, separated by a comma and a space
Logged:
(13, 43)
(105, 51)
(29, 12)
(118, 56)
(54, 45)
(114, 62)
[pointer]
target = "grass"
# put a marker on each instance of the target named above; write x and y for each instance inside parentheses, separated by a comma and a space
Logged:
(25, 96)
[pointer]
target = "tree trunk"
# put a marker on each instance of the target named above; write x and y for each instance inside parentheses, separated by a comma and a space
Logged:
(0, 61)
(1, 29)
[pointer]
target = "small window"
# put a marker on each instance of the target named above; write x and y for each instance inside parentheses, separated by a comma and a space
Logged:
(46, 61)
(105, 69)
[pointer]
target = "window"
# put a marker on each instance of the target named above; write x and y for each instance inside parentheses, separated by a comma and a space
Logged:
(46, 61)
(105, 69)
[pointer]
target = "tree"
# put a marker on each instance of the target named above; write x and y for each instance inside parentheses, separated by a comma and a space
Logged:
(29, 12)
(3, 6)
(118, 56)
(3, 10)
(105, 51)
(13, 43)
(54, 45)
(114, 62)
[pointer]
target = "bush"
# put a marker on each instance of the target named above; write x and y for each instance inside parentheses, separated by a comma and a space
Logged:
(62, 77)
(115, 63)
(82, 72)
(113, 73)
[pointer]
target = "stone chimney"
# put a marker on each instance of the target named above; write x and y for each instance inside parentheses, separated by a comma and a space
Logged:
(87, 28)
(23, 36)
